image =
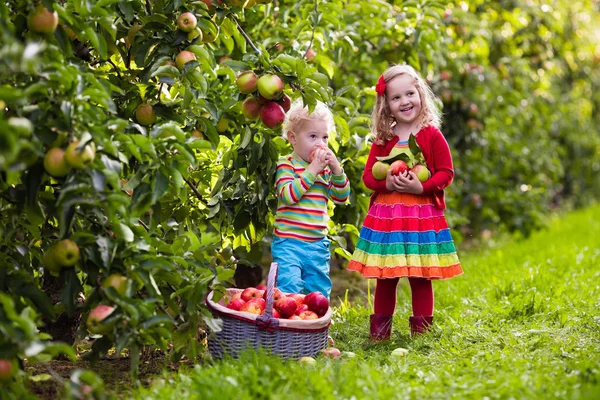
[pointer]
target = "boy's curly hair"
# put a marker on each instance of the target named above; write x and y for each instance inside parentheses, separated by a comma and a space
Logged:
(382, 120)
(298, 113)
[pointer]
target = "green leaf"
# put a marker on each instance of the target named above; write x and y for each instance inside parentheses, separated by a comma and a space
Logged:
(160, 186)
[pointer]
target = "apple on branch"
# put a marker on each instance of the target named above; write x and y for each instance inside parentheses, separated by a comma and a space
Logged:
(55, 163)
(7, 370)
(247, 82)
(97, 316)
(272, 115)
(270, 86)
(42, 20)
(79, 158)
(187, 22)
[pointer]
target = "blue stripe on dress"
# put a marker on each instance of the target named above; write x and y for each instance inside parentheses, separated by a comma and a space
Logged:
(428, 237)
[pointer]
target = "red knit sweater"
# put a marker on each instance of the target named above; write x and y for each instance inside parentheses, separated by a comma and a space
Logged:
(437, 156)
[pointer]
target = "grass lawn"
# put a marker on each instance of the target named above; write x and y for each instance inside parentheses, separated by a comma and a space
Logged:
(522, 322)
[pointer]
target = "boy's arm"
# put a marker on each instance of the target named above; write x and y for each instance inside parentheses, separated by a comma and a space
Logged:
(290, 188)
(339, 188)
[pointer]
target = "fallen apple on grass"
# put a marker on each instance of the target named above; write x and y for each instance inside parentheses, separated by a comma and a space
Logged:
(307, 360)
(331, 352)
(399, 353)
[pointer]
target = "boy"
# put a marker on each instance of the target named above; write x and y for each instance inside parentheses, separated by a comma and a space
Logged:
(305, 181)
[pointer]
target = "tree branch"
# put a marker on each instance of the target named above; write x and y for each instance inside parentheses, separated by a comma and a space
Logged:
(256, 49)
(196, 192)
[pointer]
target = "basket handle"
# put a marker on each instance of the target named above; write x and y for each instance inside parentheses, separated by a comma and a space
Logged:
(271, 283)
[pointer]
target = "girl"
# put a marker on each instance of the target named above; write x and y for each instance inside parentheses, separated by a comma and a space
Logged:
(405, 233)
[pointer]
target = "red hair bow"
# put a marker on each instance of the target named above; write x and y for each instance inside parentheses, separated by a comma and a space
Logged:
(380, 87)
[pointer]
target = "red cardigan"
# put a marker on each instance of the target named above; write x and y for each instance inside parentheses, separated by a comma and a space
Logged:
(437, 156)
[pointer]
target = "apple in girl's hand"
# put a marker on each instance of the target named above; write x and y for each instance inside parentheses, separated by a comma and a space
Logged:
(332, 352)
(276, 294)
(398, 167)
(301, 308)
(421, 172)
(254, 306)
(380, 170)
(251, 293)
(317, 302)
(286, 306)
(306, 315)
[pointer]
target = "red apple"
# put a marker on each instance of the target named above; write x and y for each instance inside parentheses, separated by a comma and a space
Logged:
(276, 314)
(41, 20)
(6, 370)
(187, 22)
(261, 100)
(286, 306)
(331, 352)
(252, 293)
(298, 297)
(276, 294)
(445, 75)
(236, 295)
(183, 58)
(301, 308)
(285, 103)
(306, 315)
(254, 306)
(251, 108)
(55, 163)
(317, 302)
(247, 82)
(310, 54)
(421, 171)
(261, 287)
(270, 86)
(95, 318)
(295, 317)
(236, 304)
(272, 115)
(398, 167)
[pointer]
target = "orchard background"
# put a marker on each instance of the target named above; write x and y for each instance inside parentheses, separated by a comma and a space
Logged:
(177, 201)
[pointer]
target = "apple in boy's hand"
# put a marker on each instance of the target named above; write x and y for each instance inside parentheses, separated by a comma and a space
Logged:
(398, 167)
(380, 170)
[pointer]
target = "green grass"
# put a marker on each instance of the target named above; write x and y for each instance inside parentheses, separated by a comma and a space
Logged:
(522, 322)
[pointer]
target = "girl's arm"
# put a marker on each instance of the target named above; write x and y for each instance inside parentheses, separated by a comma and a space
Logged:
(290, 188)
(368, 179)
(441, 160)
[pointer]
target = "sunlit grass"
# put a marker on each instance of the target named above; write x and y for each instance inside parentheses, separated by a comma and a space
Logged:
(522, 322)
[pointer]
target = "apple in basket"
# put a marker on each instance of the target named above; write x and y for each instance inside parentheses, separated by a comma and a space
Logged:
(276, 314)
(286, 306)
(298, 297)
(254, 306)
(236, 295)
(236, 304)
(306, 315)
(251, 293)
(276, 294)
(295, 317)
(301, 308)
(261, 287)
(317, 302)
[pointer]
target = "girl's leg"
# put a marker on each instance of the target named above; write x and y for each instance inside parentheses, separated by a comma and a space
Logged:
(385, 304)
(422, 305)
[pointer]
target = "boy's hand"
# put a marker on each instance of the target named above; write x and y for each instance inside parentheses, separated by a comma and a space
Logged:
(333, 162)
(318, 163)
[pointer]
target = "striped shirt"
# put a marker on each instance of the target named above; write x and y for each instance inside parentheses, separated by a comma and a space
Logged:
(302, 199)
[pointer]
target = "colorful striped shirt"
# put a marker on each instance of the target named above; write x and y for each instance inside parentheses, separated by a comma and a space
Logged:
(302, 199)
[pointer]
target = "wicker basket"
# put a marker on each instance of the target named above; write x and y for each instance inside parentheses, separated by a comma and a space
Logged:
(286, 338)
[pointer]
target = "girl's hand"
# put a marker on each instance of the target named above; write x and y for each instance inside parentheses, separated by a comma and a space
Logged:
(333, 162)
(404, 183)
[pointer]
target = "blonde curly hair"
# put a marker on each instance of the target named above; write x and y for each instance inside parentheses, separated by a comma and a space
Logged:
(299, 113)
(382, 120)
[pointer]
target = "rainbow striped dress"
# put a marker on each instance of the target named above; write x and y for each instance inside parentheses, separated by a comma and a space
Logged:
(405, 235)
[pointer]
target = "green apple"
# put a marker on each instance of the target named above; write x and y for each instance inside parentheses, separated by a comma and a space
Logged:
(197, 32)
(307, 360)
(55, 163)
(116, 281)
(380, 170)
(187, 22)
(66, 253)
(222, 125)
(421, 172)
(270, 86)
(50, 263)
(399, 353)
(41, 20)
(247, 82)
(79, 159)
(145, 115)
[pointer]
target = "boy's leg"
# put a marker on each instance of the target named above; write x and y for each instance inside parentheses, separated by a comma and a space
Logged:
(287, 253)
(315, 263)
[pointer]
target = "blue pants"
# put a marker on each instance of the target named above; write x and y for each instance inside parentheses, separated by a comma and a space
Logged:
(303, 266)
